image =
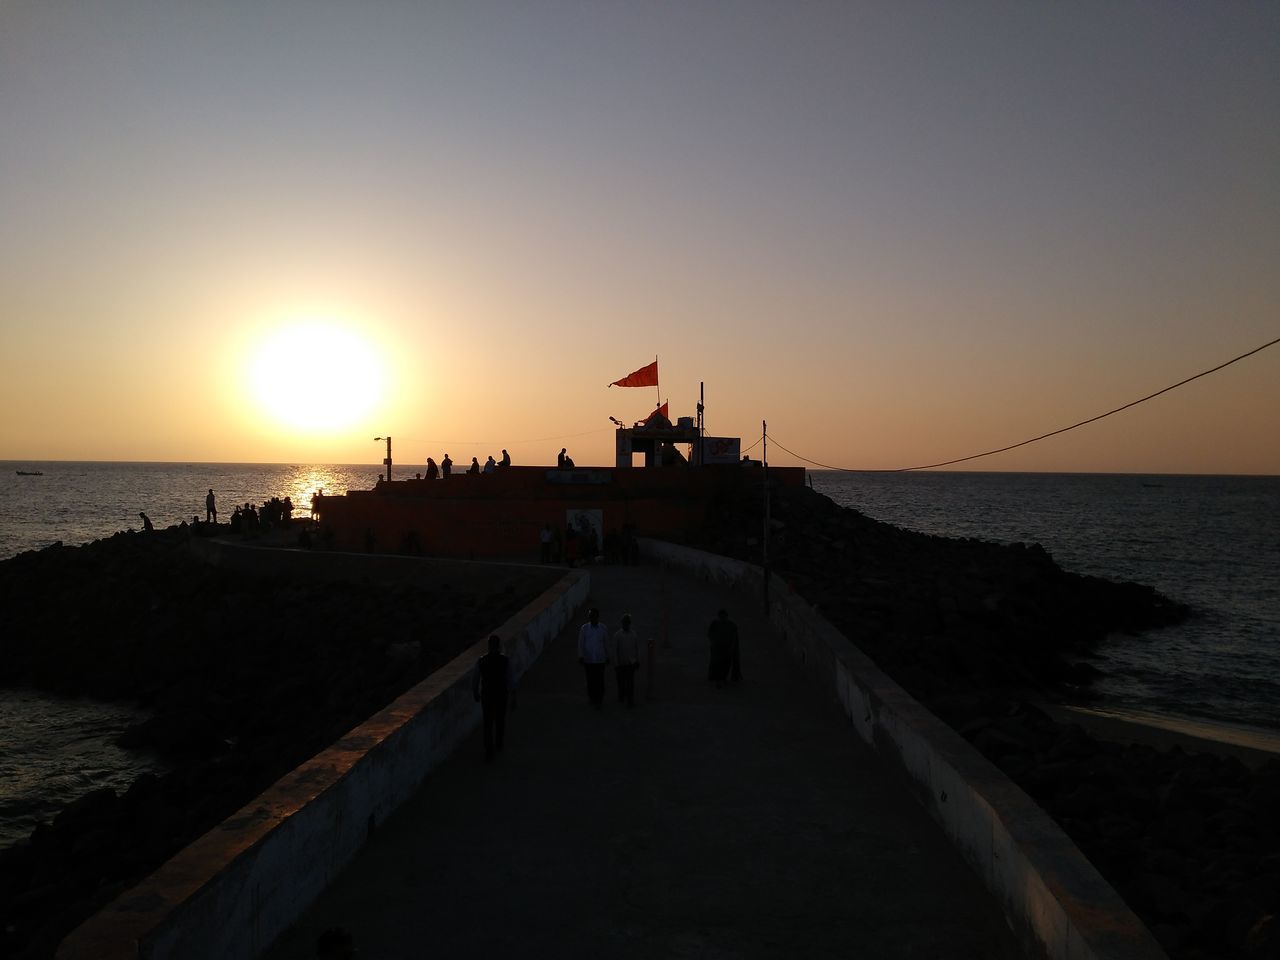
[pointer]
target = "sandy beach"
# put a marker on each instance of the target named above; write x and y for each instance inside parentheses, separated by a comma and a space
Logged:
(1253, 747)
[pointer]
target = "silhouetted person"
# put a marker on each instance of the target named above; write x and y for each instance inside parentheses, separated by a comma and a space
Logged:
(593, 654)
(724, 664)
(570, 545)
(494, 687)
(561, 458)
(490, 465)
(146, 523)
(432, 470)
(446, 466)
(335, 944)
(546, 540)
(286, 508)
(568, 462)
(474, 469)
(506, 459)
(210, 508)
(625, 654)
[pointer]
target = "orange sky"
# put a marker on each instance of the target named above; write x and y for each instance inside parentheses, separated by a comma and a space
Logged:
(899, 234)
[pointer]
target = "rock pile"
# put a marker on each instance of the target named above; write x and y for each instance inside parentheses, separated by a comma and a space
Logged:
(244, 678)
(977, 632)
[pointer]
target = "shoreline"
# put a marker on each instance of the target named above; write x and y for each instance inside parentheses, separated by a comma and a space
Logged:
(1254, 747)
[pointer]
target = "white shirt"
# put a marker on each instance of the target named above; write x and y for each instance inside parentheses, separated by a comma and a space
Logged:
(625, 648)
(592, 639)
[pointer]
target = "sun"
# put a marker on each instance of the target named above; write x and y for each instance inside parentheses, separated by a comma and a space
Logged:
(315, 377)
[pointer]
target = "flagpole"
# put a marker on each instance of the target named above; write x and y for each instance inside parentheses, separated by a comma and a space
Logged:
(656, 382)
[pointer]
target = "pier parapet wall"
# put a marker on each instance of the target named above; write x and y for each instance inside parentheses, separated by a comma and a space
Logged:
(234, 890)
(1052, 895)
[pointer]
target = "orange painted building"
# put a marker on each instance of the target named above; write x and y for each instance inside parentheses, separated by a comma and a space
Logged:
(503, 514)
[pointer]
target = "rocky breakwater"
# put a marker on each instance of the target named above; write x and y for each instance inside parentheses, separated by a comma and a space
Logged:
(981, 633)
(244, 678)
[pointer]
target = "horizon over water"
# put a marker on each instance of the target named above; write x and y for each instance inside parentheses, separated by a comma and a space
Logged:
(1210, 541)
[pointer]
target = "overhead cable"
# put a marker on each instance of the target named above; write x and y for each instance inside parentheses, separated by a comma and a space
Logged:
(1051, 433)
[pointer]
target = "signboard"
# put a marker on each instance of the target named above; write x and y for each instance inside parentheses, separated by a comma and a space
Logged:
(721, 449)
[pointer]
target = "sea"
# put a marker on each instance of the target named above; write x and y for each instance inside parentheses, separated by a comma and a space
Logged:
(1212, 542)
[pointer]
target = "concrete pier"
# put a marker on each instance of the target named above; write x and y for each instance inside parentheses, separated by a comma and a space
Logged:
(739, 822)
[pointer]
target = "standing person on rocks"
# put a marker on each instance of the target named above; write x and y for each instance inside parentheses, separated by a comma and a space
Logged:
(494, 688)
(724, 663)
(625, 654)
(211, 508)
(593, 654)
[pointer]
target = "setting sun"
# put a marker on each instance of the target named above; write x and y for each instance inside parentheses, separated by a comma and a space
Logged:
(315, 377)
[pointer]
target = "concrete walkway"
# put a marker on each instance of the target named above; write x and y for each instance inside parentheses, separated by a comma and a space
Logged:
(744, 822)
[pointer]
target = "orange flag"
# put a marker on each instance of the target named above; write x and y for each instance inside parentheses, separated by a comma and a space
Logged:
(644, 377)
(660, 412)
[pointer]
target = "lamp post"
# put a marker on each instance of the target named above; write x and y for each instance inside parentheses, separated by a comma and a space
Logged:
(388, 460)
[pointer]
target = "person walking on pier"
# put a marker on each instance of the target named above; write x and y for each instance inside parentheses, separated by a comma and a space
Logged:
(211, 508)
(724, 664)
(625, 654)
(494, 688)
(593, 654)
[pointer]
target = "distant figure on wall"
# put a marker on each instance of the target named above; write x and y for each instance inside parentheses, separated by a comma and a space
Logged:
(490, 465)
(506, 459)
(561, 458)
(446, 466)
(146, 523)
(211, 508)
(494, 688)
(432, 470)
(474, 469)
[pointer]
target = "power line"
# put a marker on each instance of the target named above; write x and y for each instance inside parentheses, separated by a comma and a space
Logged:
(1051, 433)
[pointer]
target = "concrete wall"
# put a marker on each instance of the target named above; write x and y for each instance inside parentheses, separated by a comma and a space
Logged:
(1054, 898)
(232, 892)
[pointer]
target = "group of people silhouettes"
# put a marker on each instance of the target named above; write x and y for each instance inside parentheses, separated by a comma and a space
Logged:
(494, 685)
(437, 471)
(444, 468)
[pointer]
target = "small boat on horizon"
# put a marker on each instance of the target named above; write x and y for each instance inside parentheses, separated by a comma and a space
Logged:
(31, 473)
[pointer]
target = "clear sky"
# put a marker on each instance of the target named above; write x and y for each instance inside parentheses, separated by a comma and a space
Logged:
(900, 232)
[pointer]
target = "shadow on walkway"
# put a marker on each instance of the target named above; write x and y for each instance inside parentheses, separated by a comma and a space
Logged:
(743, 822)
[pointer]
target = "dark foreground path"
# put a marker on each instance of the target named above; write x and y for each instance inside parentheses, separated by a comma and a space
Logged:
(744, 822)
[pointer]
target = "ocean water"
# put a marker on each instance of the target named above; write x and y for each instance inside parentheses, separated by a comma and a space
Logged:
(1211, 542)
(54, 750)
(1208, 541)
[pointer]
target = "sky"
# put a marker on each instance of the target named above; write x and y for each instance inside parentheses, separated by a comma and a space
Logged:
(900, 233)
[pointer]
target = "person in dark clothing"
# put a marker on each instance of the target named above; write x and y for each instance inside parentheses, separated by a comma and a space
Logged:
(446, 466)
(494, 687)
(724, 664)
(210, 508)
(146, 523)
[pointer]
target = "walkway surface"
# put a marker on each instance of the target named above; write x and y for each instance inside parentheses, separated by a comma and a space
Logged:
(743, 822)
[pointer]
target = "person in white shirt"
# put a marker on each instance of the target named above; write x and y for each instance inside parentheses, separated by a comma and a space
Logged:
(625, 654)
(593, 654)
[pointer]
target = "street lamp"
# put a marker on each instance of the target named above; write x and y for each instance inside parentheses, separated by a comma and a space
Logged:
(388, 460)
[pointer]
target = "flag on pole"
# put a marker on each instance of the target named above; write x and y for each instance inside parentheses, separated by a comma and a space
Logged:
(660, 412)
(644, 377)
